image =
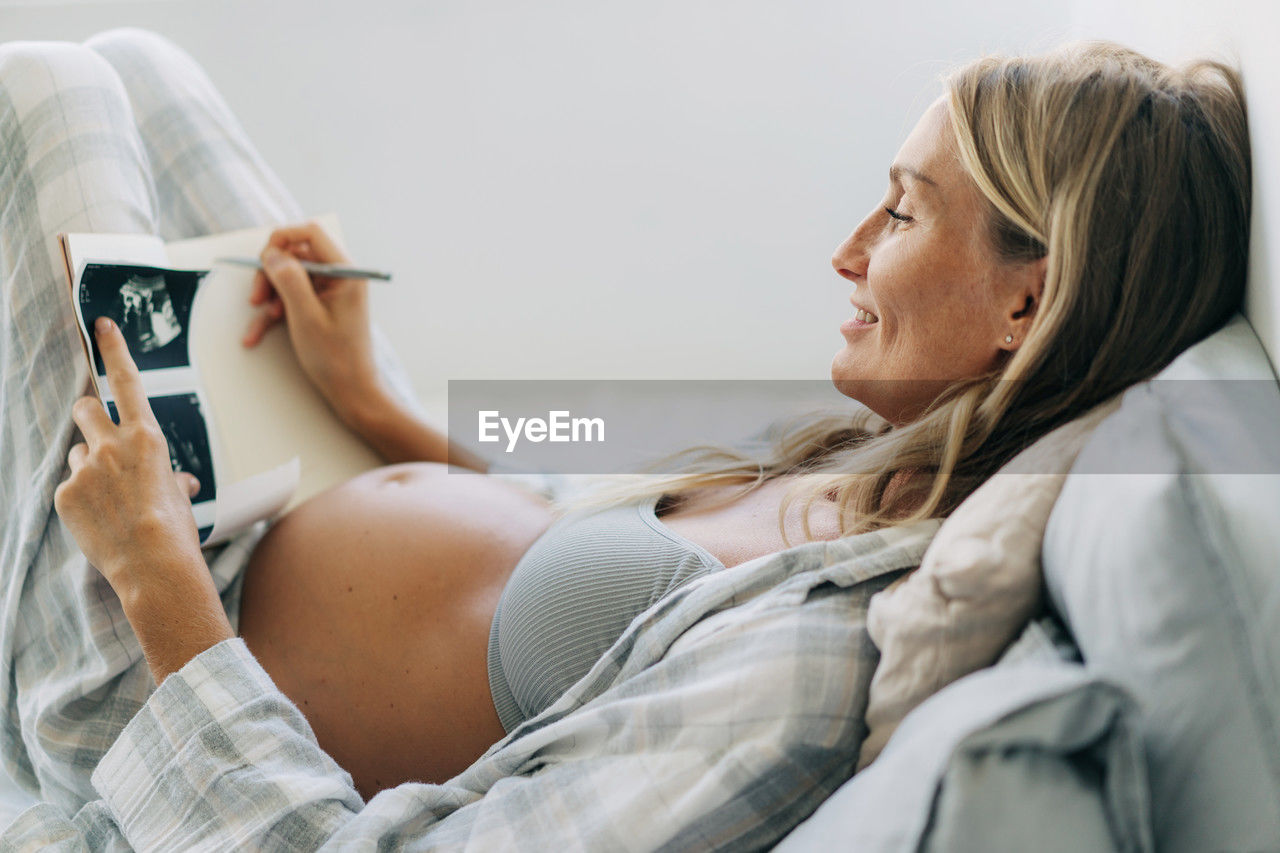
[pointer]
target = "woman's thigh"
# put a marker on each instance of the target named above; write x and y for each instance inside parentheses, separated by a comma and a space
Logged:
(71, 161)
(209, 176)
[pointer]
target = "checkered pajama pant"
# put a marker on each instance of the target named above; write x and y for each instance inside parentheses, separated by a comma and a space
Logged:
(123, 133)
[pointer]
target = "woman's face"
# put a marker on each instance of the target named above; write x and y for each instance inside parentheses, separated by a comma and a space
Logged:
(923, 265)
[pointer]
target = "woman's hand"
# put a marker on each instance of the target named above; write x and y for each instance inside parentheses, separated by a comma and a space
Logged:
(327, 319)
(328, 322)
(131, 515)
(123, 502)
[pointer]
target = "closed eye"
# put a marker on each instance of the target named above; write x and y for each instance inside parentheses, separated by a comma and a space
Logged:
(896, 215)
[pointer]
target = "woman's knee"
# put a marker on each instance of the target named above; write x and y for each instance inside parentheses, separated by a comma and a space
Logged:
(135, 41)
(32, 72)
(71, 157)
(151, 66)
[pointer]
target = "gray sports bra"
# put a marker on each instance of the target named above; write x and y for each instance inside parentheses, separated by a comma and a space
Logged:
(572, 595)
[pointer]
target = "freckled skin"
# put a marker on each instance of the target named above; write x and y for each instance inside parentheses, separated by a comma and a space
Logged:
(944, 298)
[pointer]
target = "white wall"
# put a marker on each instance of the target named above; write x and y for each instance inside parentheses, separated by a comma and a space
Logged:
(1242, 32)
(576, 188)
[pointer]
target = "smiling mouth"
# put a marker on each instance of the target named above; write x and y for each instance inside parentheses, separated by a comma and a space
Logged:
(862, 315)
(861, 320)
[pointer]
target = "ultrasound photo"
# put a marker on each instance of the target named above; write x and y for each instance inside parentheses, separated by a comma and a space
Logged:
(183, 425)
(151, 305)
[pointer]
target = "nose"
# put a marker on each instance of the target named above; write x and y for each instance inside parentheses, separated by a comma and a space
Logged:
(852, 256)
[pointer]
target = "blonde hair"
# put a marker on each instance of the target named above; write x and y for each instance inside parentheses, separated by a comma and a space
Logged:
(1133, 177)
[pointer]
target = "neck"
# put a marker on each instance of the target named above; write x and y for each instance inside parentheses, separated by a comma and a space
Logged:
(909, 482)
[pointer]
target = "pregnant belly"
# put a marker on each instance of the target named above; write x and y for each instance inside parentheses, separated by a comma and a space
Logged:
(370, 605)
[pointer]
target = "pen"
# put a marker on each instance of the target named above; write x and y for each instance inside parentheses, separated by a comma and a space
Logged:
(334, 270)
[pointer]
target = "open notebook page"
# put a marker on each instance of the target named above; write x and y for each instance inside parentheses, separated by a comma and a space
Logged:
(266, 410)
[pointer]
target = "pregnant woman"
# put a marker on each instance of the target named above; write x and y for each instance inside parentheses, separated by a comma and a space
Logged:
(1055, 228)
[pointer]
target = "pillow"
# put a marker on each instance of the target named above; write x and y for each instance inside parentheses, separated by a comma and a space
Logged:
(977, 586)
(1034, 753)
(1163, 556)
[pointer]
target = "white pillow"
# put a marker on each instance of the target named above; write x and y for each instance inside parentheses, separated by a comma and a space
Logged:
(977, 587)
(1161, 557)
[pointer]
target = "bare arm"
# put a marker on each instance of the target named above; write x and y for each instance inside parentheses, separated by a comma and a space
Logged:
(131, 517)
(328, 323)
(398, 435)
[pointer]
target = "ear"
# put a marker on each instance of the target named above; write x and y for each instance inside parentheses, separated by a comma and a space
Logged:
(1028, 289)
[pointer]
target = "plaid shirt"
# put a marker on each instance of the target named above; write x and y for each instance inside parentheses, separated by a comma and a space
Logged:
(720, 719)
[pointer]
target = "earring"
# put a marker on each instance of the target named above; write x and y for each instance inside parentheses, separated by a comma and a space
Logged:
(1008, 339)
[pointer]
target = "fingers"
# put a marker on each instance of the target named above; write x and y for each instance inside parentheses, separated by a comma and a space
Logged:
(293, 285)
(322, 245)
(261, 290)
(262, 293)
(75, 459)
(92, 419)
(122, 373)
(189, 483)
(307, 241)
(260, 325)
(283, 286)
(303, 249)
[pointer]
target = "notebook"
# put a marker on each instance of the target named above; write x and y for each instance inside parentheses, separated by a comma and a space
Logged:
(247, 422)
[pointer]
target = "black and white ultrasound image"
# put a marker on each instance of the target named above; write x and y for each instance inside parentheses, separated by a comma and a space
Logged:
(183, 424)
(151, 305)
